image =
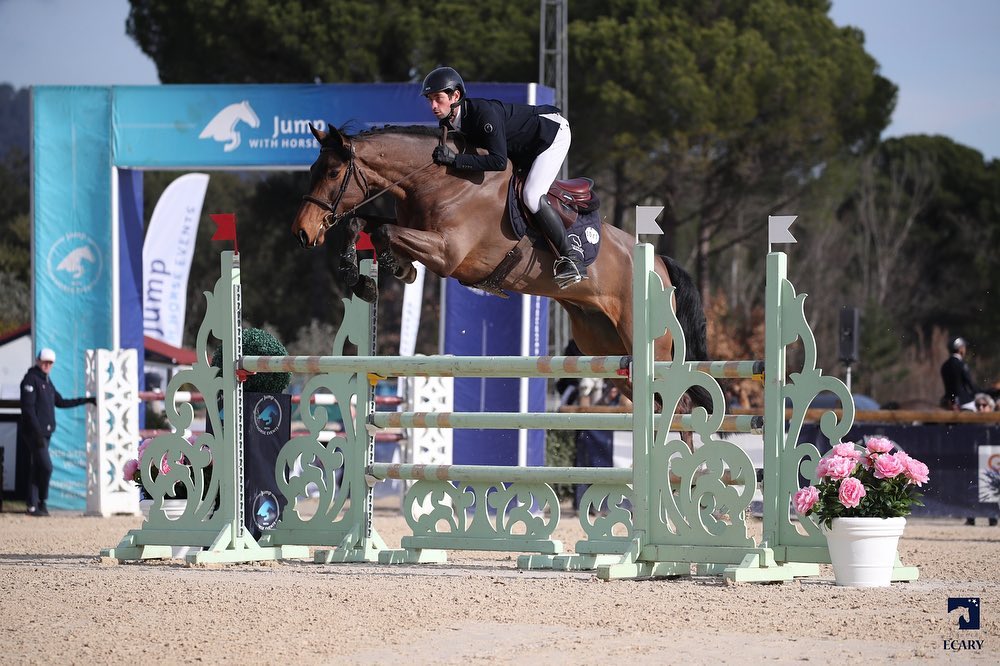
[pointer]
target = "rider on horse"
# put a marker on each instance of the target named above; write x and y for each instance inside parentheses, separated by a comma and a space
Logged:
(535, 138)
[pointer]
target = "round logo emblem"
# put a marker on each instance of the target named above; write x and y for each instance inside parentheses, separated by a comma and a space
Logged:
(267, 415)
(593, 236)
(266, 510)
(75, 262)
(488, 128)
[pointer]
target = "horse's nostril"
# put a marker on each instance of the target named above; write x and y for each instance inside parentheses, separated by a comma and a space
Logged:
(303, 238)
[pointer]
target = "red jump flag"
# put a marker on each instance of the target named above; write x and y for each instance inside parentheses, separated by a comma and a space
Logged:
(364, 242)
(225, 228)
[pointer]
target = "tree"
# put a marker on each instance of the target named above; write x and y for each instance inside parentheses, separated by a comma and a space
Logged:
(717, 108)
(907, 236)
(347, 41)
(895, 186)
(14, 109)
(15, 242)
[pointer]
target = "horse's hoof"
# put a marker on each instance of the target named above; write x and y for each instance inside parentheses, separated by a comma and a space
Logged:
(366, 289)
(408, 275)
(349, 278)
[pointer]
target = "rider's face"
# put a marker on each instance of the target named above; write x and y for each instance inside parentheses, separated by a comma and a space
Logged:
(441, 103)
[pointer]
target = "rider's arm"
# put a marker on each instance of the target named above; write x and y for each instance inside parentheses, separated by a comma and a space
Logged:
(487, 131)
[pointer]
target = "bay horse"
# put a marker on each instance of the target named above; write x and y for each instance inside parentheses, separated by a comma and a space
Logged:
(457, 224)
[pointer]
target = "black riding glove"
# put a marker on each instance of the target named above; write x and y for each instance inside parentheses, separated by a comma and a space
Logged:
(444, 156)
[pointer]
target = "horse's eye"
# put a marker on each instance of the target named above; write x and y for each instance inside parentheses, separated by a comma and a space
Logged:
(333, 173)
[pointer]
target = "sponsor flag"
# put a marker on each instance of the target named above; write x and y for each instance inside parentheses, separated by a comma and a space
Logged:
(166, 257)
(413, 303)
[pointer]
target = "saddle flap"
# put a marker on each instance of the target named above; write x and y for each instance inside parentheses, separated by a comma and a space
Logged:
(567, 210)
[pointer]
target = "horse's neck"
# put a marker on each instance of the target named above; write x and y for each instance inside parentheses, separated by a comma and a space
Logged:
(397, 161)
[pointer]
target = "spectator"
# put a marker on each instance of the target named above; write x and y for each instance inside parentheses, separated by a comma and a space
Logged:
(39, 398)
(595, 448)
(984, 403)
(959, 389)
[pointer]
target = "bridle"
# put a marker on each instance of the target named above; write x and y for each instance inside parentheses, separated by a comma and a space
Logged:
(332, 218)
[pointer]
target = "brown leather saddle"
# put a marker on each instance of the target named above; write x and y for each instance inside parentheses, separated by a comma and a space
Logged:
(569, 198)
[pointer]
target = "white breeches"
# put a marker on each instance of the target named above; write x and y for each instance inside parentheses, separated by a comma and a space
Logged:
(547, 165)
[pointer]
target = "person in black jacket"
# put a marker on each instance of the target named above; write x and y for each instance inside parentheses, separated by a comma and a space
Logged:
(39, 398)
(533, 138)
(959, 389)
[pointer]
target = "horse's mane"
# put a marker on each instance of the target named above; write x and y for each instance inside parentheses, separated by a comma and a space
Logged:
(413, 130)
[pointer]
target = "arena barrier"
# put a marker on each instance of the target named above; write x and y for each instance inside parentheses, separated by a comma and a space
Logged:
(673, 510)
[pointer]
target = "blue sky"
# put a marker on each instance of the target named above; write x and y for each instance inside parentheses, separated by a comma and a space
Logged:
(943, 54)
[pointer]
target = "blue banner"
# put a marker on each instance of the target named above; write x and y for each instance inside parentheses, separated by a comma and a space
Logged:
(73, 259)
(478, 324)
(130, 228)
(233, 126)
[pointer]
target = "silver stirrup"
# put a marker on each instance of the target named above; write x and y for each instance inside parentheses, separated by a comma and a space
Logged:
(563, 281)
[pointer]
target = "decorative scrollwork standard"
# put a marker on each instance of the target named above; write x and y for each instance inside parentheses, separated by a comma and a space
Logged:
(329, 477)
(516, 516)
(796, 458)
(209, 470)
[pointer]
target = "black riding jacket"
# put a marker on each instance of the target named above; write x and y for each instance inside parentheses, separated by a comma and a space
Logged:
(958, 384)
(514, 131)
(39, 398)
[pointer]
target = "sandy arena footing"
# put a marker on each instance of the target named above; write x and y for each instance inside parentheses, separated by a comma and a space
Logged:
(62, 604)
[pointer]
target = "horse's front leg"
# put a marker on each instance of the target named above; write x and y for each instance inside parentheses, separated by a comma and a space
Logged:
(361, 286)
(398, 247)
(348, 266)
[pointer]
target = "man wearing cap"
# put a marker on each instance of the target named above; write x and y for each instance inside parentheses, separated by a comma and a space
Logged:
(39, 398)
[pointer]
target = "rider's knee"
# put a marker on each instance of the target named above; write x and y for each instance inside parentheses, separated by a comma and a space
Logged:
(531, 195)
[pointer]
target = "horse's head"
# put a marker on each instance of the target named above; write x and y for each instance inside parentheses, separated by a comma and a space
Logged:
(335, 188)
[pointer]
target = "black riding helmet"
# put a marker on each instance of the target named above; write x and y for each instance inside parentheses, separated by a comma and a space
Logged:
(442, 79)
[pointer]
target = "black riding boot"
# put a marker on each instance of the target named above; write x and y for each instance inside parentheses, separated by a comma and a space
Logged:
(568, 268)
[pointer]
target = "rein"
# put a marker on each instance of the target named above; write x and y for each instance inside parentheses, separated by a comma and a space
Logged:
(332, 217)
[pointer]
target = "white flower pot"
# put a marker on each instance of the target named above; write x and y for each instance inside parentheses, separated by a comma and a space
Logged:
(863, 550)
(172, 509)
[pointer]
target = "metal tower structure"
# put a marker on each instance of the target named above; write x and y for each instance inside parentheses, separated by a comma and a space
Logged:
(553, 58)
(553, 54)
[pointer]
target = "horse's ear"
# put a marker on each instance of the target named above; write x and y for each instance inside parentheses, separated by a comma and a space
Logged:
(336, 139)
(318, 133)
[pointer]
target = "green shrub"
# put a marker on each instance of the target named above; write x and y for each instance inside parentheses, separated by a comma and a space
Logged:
(258, 342)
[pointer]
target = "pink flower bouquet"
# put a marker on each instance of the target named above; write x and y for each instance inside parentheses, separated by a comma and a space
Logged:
(868, 481)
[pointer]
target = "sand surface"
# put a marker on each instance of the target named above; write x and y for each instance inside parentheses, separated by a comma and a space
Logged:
(61, 604)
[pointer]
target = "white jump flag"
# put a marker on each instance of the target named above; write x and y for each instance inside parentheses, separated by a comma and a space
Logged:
(777, 229)
(645, 220)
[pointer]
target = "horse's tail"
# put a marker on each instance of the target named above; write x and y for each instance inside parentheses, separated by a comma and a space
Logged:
(691, 315)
